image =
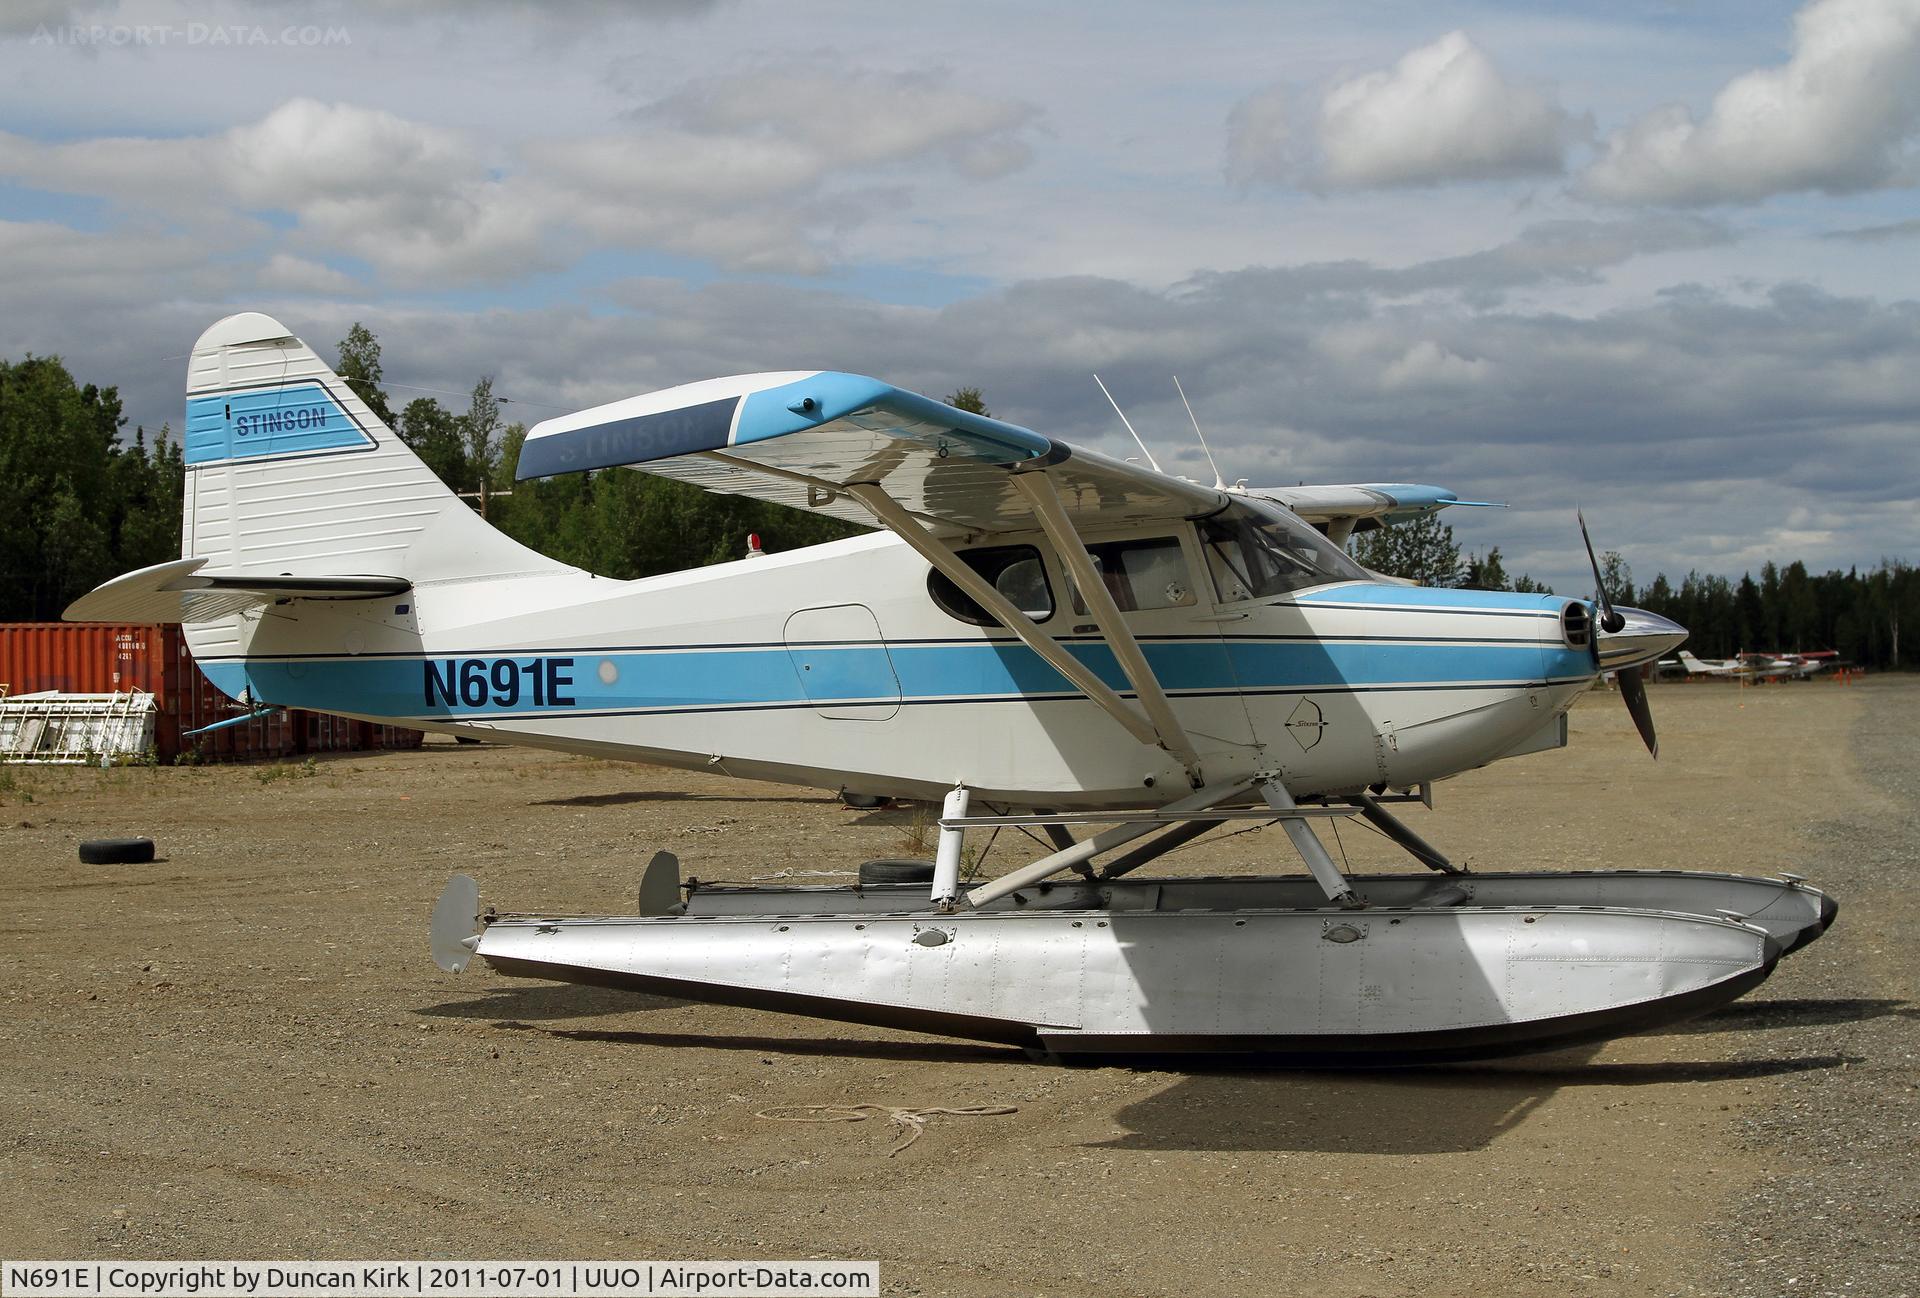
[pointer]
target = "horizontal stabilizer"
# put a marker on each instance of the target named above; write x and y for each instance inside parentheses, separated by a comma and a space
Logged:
(181, 590)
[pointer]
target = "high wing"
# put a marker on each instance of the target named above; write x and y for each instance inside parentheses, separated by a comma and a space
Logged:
(802, 439)
(180, 590)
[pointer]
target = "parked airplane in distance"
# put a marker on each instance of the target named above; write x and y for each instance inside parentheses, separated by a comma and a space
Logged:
(1752, 665)
(1799, 666)
(1728, 667)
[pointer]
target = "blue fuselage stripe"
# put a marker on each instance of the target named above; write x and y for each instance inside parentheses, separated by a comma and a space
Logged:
(582, 681)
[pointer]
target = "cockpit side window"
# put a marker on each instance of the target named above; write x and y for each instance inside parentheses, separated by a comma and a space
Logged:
(1144, 574)
(1016, 571)
(1256, 550)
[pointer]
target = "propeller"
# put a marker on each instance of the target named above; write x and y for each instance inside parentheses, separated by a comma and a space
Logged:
(1633, 690)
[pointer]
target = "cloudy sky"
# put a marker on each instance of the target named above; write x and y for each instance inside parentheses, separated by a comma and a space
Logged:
(1660, 260)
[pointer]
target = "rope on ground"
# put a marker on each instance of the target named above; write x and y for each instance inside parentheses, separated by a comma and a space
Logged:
(911, 1121)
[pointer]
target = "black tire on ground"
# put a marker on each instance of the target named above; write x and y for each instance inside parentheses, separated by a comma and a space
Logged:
(896, 871)
(863, 801)
(116, 851)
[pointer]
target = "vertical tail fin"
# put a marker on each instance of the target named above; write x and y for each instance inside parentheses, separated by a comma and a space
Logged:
(290, 474)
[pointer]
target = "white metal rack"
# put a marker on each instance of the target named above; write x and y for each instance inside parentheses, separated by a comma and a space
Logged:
(51, 728)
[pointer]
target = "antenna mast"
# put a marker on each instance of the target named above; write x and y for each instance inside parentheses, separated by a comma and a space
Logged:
(1219, 483)
(1123, 419)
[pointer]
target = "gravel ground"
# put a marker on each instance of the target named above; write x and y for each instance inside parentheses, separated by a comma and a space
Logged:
(1842, 1215)
(241, 1051)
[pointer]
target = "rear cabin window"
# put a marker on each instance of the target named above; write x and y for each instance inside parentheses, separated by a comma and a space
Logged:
(1141, 574)
(1016, 571)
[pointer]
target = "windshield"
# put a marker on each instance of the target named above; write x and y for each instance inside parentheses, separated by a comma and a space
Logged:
(1256, 549)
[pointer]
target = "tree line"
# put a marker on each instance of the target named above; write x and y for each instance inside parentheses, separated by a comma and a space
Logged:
(82, 502)
(1788, 610)
(78, 503)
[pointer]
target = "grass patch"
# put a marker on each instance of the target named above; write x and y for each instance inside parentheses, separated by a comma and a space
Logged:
(288, 771)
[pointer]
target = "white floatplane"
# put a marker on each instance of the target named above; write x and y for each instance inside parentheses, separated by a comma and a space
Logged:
(1036, 634)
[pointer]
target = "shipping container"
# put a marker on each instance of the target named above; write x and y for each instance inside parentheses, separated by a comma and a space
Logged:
(87, 658)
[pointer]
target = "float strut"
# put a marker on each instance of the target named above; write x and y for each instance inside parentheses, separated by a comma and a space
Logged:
(1396, 829)
(1155, 848)
(1104, 841)
(1060, 836)
(946, 860)
(1311, 849)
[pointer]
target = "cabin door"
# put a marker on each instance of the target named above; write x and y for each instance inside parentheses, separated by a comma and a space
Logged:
(1158, 581)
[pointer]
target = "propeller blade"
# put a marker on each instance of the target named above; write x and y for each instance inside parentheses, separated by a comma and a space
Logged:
(1634, 691)
(1609, 620)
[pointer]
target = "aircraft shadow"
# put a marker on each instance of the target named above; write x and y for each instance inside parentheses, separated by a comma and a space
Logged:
(528, 1008)
(666, 795)
(543, 1002)
(1437, 1109)
(900, 814)
(1760, 1016)
(1664, 1074)
(938, 1051)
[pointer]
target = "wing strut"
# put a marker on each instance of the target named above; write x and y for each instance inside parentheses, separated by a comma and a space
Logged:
(1040, 493)
(936, 552)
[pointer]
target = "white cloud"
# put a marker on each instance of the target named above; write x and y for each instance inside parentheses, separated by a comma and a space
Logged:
(305, 150)
(288, 274)
(412, 199)
(1260, 143)
(849, 118)
(1909, 229)
(66, 271)
(1444, 112)
(1839, 116)
(1427, 364)
(755, 172)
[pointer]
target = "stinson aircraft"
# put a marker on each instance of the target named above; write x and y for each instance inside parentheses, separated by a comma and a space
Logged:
(1035, 635)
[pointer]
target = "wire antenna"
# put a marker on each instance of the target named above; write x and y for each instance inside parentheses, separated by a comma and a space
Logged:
(1123, 419)
(1219, 483)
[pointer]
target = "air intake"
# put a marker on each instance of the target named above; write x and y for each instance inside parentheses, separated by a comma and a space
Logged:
(1576, 625)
